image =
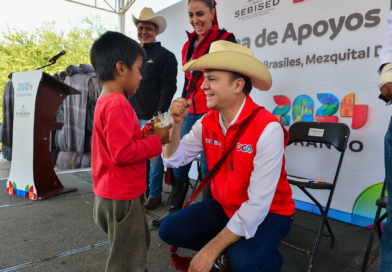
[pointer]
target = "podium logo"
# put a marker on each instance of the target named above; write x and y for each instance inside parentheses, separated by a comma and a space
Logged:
(24, 89)
(255, 8)
(22, 113)
(27, 86)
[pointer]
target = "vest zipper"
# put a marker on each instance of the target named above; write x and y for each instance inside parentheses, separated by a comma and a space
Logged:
(226, 172)
(223, 153)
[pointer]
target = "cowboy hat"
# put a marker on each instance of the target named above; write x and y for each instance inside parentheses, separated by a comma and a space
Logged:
(233, 57)
(147, 15)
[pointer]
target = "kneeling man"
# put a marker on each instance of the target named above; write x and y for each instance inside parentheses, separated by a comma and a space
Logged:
(252, 210)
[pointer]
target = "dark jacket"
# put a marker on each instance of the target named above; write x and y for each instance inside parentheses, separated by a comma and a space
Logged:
(159, 83)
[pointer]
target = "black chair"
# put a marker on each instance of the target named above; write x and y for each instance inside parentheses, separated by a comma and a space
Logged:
(199, 175)
(199, 178)
(370, 256)
(334, 134)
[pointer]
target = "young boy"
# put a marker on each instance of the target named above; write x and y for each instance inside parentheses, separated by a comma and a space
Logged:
(119, 153)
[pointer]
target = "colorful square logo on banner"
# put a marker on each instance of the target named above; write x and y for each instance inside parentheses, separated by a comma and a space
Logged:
(303, 109)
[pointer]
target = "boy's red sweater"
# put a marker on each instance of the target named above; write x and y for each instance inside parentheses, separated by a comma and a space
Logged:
(119, 152)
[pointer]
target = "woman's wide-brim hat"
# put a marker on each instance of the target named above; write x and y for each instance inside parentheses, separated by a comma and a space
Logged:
(147, 15)
(232, 57)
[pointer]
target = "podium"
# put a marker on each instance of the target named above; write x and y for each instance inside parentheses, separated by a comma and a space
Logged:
(37, 97)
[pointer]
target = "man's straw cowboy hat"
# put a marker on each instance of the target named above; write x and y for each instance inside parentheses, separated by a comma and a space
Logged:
(147, 15)
(233, 57)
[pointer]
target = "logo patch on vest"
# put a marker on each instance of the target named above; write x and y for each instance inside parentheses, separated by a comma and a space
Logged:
(244, 148)
(213, 142)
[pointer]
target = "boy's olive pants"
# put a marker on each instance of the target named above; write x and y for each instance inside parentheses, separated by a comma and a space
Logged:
(125, 223)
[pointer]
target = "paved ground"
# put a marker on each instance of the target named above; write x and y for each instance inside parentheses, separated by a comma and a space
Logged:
(5, 167)
(58, 234)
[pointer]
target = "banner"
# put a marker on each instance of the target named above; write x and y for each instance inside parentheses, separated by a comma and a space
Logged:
(323, 57)
(21, 179)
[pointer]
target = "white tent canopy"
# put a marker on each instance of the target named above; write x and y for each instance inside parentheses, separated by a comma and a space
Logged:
(119, 7)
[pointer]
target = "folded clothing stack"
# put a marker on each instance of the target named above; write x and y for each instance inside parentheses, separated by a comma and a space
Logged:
(8, 120)
(86, 69)
(73, 142)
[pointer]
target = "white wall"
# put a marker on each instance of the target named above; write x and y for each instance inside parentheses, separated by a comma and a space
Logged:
(360, 169)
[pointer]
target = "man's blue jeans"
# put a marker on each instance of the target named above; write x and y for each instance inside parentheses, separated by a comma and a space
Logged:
(154, 179)
(386, 240)
(193, 227)
(183, 171)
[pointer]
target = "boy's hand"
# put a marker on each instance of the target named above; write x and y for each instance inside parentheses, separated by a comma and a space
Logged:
(179, 109)
(163, 133)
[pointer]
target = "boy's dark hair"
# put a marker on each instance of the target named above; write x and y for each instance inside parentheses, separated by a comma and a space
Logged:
(111, 48)
(248, 83)
(208, 3)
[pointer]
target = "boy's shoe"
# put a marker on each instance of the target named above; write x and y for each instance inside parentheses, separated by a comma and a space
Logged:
(221, 265)
(152, 203)
(157, 222)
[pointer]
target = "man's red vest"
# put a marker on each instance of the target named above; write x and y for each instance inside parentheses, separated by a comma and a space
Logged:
(230, 185)
(199, 101)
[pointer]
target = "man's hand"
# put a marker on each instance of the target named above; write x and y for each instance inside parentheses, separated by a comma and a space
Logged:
(386, 81)
(163, 133)
(203, 261)
(179, 109)
(386, 90)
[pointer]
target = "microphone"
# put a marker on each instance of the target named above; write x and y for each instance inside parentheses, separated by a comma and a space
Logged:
(55, 58)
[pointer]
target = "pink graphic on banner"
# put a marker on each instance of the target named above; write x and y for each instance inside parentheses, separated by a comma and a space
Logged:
(357, 112)
(327, 119)
(360, 116)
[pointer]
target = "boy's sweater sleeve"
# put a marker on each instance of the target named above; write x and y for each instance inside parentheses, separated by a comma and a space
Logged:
(123, 149)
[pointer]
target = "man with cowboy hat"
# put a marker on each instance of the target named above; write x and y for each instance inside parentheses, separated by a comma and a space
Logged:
(156, 91)
(252, 207)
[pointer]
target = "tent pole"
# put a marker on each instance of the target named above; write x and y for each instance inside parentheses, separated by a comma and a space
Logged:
(121, 23)
(121, 15)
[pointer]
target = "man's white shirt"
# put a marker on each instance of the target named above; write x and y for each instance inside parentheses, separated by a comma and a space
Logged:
(264, 178)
